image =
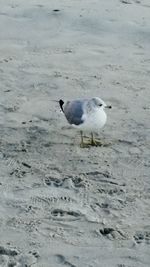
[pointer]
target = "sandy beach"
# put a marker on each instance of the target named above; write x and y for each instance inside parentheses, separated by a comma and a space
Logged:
(62, 205)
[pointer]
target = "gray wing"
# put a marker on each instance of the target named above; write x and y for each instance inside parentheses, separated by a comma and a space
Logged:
(73, 111)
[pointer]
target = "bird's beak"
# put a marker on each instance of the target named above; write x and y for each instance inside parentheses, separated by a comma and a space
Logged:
(108, 107)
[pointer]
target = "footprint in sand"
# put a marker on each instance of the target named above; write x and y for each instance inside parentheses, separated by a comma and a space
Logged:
(60, 259)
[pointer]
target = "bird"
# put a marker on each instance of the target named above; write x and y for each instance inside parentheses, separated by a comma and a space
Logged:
(85, 115)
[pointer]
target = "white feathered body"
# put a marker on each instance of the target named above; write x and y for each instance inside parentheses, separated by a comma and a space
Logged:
(86, 115)
(93, 121)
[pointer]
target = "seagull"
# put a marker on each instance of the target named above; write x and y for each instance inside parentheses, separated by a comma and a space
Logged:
(86, 115)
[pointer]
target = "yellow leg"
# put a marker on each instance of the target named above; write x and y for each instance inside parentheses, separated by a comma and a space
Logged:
(93, 142)
(82, 143)
(96, 142)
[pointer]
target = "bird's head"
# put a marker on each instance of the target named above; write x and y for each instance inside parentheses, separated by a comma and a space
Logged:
(100, 103)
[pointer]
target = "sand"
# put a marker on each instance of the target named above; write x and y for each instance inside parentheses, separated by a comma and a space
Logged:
(62, 205)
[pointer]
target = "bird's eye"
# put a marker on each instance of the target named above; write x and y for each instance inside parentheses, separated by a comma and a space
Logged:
(100, 105)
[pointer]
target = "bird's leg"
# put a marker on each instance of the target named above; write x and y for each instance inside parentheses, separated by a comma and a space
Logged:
(96, 142)
(82, 143)
(93, 142)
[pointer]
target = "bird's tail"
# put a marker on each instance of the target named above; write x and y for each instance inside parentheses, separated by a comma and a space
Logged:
(61, 103)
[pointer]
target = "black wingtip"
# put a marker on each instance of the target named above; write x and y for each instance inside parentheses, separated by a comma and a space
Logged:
(61, 102)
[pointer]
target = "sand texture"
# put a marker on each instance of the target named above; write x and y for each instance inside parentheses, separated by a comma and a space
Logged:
(62, 205)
